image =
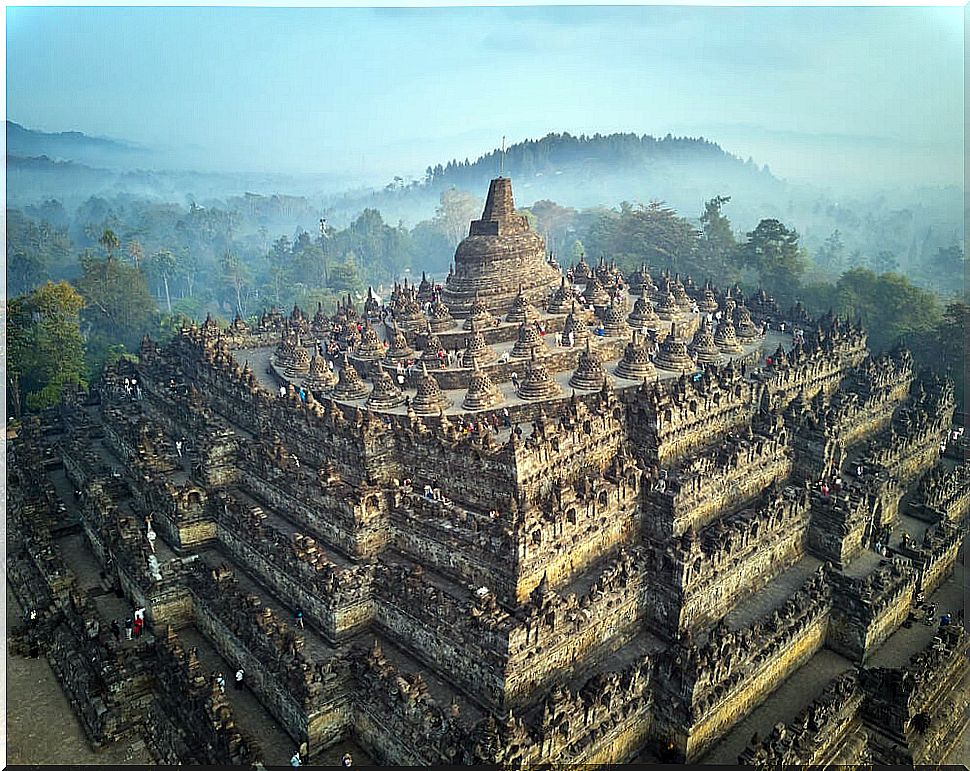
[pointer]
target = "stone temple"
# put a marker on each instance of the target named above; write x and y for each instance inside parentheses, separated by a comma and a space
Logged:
(529, 517)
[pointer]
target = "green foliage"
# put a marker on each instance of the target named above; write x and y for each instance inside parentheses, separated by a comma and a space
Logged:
(717, 245)
(890, 306)
(772, 250)
(119, 307)
(577, 251)
(45, 348)
(653, 234)
(830, 255)
(35, 250)
(344, 276)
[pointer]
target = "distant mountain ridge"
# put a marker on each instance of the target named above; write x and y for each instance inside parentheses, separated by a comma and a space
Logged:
(72, 146)
(579, 171)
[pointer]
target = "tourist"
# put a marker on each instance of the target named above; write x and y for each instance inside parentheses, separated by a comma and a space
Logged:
(222, 682)
(282, 394)
(572, 338)
(239, 678)
(506, 418)
(178, 447)
(299, 618)
(295, 760)
(515, 381)
(116, 629)
(347, 760)
(137, 625)
(128, 627)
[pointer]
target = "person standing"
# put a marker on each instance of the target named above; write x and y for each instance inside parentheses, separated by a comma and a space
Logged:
(239, 678)
(116, 629)
(295, 760)
(128, 625)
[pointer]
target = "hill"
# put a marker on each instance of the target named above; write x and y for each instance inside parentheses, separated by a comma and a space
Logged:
(73, 146)
(588, 171)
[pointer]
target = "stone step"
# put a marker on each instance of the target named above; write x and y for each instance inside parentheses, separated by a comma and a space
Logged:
(250, 715)
(801, 688)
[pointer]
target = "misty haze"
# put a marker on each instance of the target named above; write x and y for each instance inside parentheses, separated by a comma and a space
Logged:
(704, 263)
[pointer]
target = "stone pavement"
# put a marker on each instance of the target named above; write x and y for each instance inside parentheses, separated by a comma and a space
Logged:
(41, 727)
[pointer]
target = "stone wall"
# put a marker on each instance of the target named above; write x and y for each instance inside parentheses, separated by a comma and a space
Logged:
(205, 730)
(337, 600)
(670, 419)
(828, 732)
(700, 489)
(710, 688)
(916, 713)
(943, 493)
(295, 689)
(865, 611)
(700, 578)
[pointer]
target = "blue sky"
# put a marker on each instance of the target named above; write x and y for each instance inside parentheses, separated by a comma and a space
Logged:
(871, 91)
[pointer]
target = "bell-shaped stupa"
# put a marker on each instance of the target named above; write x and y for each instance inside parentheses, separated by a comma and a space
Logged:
(725, 338)
(349, 384)
(703, 348)
(537, 383)
(482, 393)
(672, 354)
(635, 364)
(429, 399)
(590, 374)
(386, 394)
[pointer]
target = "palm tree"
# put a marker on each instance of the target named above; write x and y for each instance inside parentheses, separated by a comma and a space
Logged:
(109, 241)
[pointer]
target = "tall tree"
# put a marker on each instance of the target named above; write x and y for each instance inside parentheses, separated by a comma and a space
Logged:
(109, 242)
(456, 209)
(830, 254)
(45, 349)
(164, 264)
(717, 242)
(236, 276)
(772, 250)
(119, 307)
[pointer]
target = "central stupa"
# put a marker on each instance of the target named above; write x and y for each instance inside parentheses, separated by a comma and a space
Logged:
(499, 256)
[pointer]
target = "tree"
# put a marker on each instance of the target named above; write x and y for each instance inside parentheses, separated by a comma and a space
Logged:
(136, 253)
(717, 243)
(456, 209)
(829, 256)
(45, 349)
(653, 234)
(949, 270)
(576, 251)
(556, 223)
(119, 307)
(772, 250)
(164, 264)
(109, 242)
(235, 276)
(884, 262)
(36, 251)
(716, 228)
(279, 260)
